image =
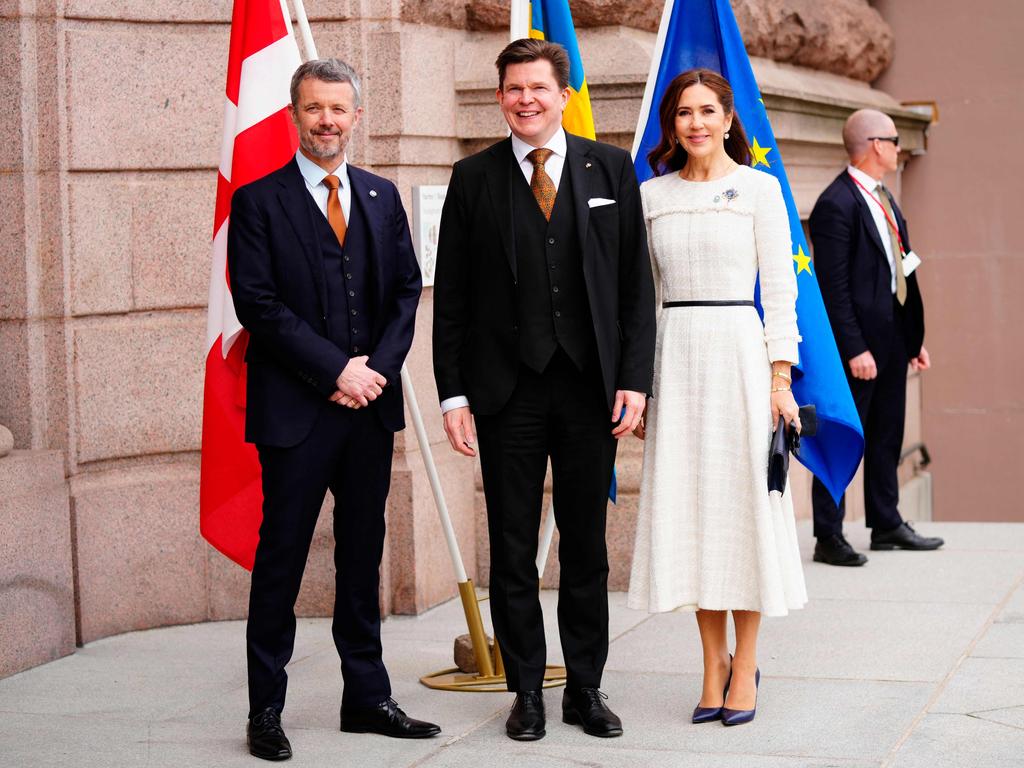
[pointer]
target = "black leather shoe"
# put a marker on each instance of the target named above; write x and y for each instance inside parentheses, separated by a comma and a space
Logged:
(586, 707)
(526, 720)
(387, 719)
(836, 550)
(265, 736)
(904, 537)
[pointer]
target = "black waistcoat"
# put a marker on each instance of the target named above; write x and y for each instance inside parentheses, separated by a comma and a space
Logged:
(552, 295)
(349, 281)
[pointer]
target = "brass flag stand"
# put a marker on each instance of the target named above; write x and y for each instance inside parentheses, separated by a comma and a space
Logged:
(490, 675)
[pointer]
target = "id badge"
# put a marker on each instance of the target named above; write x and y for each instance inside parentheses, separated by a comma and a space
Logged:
(911, 262)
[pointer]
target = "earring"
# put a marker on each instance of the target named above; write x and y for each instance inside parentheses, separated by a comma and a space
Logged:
(727, 134)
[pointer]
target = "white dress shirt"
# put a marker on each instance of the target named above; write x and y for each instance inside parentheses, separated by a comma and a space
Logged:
(553, 167)
(877, 214)
(554, 163)
(314, 176)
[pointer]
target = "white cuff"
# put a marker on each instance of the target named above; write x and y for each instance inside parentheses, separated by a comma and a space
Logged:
(451, 403)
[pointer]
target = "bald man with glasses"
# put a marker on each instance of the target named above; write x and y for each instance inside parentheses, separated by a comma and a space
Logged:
(865, 268)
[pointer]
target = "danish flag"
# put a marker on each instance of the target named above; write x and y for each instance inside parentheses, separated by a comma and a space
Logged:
(259, 137)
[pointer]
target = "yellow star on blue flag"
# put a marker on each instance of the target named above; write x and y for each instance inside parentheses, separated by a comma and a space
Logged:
(759, 155)
(803, 261)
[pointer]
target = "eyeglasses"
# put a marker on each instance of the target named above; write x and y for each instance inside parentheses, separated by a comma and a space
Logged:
(894, 139)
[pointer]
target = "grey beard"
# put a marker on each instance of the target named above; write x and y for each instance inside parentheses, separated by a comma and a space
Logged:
(321, 152)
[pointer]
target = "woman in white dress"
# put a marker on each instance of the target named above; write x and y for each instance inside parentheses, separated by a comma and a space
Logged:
(710, 538)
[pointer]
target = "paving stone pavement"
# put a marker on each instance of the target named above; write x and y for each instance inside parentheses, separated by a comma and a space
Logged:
(914, 661)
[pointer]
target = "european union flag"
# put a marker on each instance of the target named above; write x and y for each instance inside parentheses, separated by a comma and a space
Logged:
(552, 20)
(704, 33)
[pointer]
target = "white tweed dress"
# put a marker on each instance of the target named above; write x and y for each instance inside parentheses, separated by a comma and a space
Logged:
(709, 535)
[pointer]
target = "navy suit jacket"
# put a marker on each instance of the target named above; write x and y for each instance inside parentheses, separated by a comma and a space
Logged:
(854, 274)
(277, 277)
(476, 348)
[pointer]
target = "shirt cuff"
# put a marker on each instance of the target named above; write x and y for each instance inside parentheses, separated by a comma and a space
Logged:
(451, 403)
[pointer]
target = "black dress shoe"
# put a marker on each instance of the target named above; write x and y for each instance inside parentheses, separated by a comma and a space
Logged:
(387, 719)
(904, 537)
(586, 707)
(526, 720)
(266, 736)
(836, 550)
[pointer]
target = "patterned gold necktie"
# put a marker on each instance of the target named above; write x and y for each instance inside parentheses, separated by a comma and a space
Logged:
(335, 216)
(894, 242)
(541, 184)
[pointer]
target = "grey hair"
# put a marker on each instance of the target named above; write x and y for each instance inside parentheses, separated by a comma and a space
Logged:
(327, 70)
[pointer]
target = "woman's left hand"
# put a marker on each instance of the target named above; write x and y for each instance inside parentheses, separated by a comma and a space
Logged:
(784, 404)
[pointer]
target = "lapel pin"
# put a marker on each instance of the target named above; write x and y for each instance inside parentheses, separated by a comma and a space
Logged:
(373, 193)
(589, 164)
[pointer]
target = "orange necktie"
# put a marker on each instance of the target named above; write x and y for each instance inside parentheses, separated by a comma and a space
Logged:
(335, 216)
(541, 184)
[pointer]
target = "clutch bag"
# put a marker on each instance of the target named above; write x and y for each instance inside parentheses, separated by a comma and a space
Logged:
(786, 441)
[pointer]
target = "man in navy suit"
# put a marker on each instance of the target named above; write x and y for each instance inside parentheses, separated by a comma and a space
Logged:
(324, 279)
(865, 268)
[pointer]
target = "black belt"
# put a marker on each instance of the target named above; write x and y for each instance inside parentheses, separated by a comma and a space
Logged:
(720, 303)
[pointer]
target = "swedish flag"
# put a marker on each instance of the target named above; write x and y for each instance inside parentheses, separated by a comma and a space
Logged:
(551, 20)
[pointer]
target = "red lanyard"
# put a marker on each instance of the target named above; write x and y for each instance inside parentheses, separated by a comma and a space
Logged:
(885, 213)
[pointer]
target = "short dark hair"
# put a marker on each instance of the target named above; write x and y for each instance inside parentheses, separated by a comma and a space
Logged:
(530, 49)
(669, 155)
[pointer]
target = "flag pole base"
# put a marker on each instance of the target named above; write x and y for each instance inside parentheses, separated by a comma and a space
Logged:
(491, 675)
(456, 680)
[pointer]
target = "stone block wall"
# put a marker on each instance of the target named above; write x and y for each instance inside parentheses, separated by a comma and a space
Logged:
(108, 189)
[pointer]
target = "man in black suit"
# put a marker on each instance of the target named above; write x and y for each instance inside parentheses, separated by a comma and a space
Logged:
(544, 332)
(865, 268)
(324, 279)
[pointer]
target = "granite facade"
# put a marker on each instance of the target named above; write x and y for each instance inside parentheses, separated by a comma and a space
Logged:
(104, 251)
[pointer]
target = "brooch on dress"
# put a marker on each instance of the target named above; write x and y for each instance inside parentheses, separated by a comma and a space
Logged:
(729, 195)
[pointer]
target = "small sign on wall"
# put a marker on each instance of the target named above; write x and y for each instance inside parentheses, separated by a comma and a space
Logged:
(427, 201)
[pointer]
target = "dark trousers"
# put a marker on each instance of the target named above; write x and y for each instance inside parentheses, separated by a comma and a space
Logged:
(348, 452)
(882, 405)
(559, 413)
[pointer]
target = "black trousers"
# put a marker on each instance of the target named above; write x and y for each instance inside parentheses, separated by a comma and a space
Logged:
(348, 452)
(559, 413)
(882, 406)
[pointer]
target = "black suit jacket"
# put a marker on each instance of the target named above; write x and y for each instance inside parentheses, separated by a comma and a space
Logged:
(854, 275)
(476, 351)
(278, 287)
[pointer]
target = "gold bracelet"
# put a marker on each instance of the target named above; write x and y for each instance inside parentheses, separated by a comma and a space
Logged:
(781, 389)
(782, 375)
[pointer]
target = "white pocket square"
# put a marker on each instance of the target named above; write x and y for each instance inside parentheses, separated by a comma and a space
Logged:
(596, 202)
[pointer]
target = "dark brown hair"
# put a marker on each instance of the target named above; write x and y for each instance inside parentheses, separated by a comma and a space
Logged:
(669, 155)
(529, 49)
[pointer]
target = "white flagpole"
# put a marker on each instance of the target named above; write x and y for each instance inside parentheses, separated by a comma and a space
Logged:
(519, 20)
(652, 76)
(304, 30)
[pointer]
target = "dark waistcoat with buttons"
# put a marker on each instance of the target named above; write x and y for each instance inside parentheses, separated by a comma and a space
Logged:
(349, 281)
(552, 300)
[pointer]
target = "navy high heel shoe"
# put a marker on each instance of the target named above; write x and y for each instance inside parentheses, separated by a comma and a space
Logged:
(740, 716)
(710, 714)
